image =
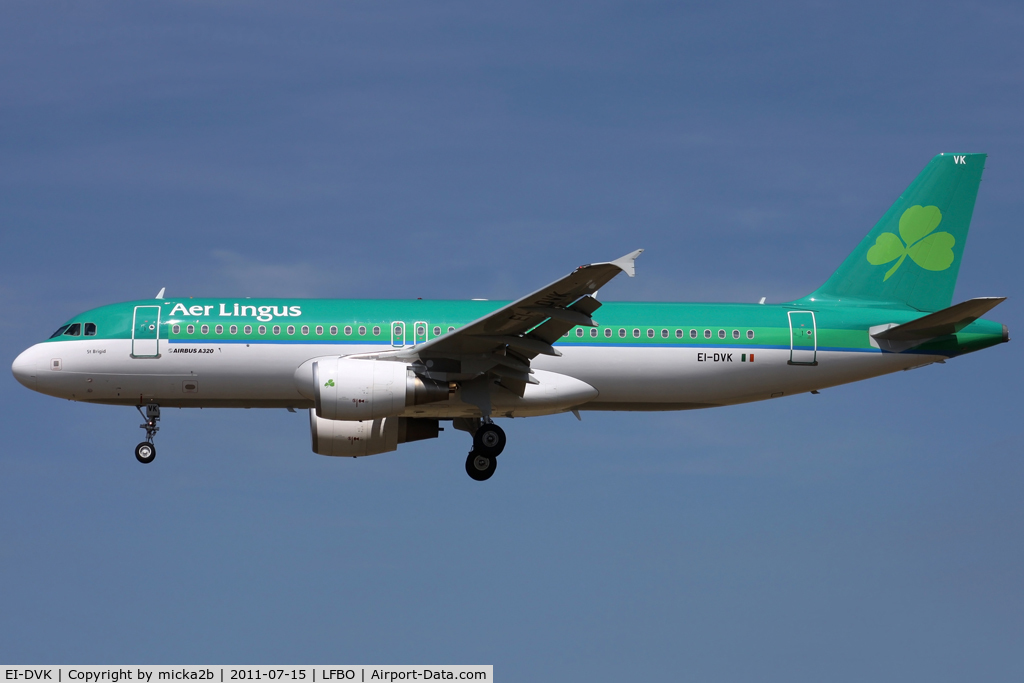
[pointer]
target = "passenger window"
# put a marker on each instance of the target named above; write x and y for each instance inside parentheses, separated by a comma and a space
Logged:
(750, 334)
(693, 334)
(247, 329)
(664, 334)
(593, 331)
(679, 334)
(735, 334)
(60, 331)
(398, 331)
(319, 329)
(607, 331)
(421, 331)
(376, 331)
(233, 329)
(721, 334)
(650, 334)
(277, 329)
(437, 331)
(219, 329)
(622, 332)
(205, 329)
(707, 334)
(348, 330)
(362, 330)
(191, 329)
(74, 330)
(579, 331)
(291, 329)
(636, 333)
(451, 329)
(334, 330)
(262, 329)
(90, 329)
(175, 329)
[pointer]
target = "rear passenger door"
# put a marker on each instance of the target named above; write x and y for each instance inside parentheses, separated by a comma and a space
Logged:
(803, 338)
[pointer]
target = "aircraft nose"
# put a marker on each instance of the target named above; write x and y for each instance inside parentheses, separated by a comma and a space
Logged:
(25, 368)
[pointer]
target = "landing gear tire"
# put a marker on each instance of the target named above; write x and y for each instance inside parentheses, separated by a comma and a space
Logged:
(145, 452)
(489, 440)
(480, 467)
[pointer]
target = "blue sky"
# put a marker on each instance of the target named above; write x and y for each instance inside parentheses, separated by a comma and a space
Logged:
(458, 150)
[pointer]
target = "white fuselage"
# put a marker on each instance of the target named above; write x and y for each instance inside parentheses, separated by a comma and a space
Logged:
(263, 375)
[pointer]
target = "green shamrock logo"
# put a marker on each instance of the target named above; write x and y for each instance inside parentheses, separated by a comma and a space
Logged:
(931, 251)
(329, 383)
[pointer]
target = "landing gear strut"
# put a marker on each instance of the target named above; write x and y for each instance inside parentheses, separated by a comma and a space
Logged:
(145, 452)
(488, 443)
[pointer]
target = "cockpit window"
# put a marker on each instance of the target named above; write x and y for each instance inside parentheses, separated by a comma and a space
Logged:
(74, 330)
(90, 329)
(60, 331)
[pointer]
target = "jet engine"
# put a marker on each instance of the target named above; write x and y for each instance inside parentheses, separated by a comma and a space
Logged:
(356, 389)
(345, 438)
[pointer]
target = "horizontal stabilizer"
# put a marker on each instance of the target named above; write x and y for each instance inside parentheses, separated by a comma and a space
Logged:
(947, 321)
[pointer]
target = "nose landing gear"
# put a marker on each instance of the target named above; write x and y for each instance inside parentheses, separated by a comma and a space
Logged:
(145, 452)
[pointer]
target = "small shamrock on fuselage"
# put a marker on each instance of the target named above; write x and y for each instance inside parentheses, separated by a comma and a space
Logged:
(329, 383)
(931, 251)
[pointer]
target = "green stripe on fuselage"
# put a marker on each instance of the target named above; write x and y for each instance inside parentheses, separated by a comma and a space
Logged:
(839, 327)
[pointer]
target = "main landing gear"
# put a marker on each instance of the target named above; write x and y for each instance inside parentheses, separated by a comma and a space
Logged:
(145, 452)
(488, 443)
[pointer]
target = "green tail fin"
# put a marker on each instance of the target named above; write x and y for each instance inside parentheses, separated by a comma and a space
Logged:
(912, 255)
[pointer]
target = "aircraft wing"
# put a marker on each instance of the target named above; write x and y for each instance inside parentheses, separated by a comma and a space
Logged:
(504, 341)
(531, 324)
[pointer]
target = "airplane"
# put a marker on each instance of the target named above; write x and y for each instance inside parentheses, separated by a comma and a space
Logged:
(375, 374)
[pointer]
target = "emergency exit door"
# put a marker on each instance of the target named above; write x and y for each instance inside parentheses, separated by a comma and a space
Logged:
(398, 333)
(420, 331)
(146, 332)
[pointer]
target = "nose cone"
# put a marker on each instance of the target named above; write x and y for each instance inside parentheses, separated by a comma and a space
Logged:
(25, 368)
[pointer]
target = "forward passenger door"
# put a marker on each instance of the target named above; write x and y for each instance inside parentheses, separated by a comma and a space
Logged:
(146, 332)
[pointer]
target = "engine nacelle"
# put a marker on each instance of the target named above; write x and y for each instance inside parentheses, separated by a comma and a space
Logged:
(343, 438)
(354, 389)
